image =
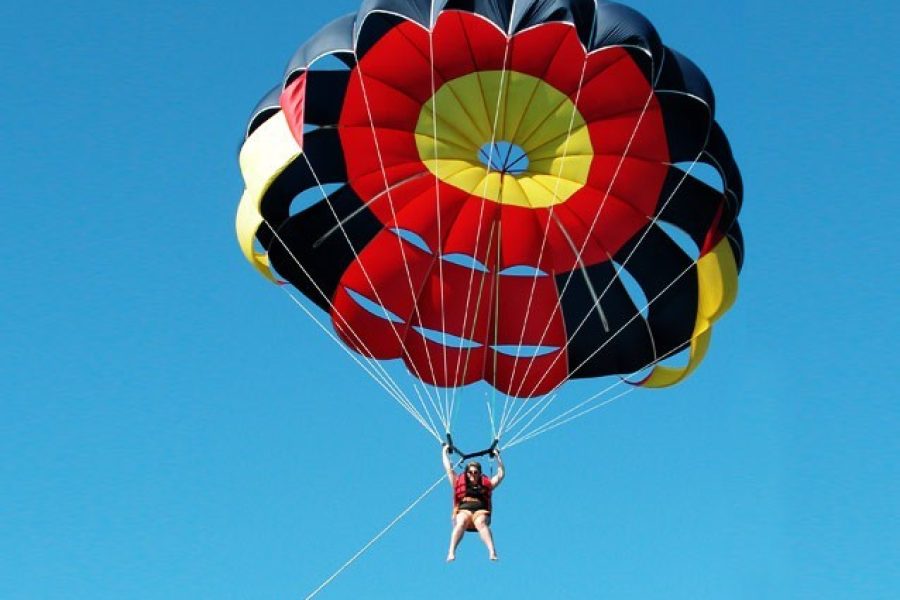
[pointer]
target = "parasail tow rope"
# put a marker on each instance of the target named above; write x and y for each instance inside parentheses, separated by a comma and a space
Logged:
(377, 537)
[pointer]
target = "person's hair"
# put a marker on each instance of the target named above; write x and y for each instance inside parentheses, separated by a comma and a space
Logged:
(475, 464)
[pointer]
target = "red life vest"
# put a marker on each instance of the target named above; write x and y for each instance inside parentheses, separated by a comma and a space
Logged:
(459, 490)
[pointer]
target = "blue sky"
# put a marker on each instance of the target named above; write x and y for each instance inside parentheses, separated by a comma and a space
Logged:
(171, 426)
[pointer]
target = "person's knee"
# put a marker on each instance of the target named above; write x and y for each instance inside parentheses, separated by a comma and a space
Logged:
(481, 523)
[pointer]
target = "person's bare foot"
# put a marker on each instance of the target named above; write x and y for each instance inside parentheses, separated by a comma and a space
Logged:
(451, 557)
(494, 557)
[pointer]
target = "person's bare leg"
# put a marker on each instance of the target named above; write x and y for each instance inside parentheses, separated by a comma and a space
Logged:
(459, 528)
(484, 531)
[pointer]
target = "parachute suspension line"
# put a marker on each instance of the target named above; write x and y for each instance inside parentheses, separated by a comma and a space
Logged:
(546, 428)
(367, 204)
(377, 537)
(508, 403)
(490, 411)
(471, 334)
(386, 377)
(653, 221)
(496, 319)
(396, 394)
(523, 431)
(432, 22)
(498, 264)
(390, 199)
(542, 404)
(531, 294)
(551, 424)
(609, 285)
(403, 259)
(365, 273)
(633, 250)
(619, 268)
(637, 315)
(386, 381)
(490, 164)
(389, 386)
(565, 417)
(427, 414)
(580, 252)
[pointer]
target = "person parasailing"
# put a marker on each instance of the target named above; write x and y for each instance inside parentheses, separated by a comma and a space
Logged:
(472, 491)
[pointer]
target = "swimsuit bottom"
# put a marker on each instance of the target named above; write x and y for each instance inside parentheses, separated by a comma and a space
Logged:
(472, 505)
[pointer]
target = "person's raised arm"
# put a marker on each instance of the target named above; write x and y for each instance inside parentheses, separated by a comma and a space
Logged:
(448, 466)
(501, 472)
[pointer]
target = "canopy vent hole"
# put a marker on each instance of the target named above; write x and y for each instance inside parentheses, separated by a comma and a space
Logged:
(504, 157)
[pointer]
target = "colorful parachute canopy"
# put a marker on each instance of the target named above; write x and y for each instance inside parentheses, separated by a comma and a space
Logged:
(496, 194)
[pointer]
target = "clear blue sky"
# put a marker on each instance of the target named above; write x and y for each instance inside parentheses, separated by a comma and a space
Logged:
(172, 427)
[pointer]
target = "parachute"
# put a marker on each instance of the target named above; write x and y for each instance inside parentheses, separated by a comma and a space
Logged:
(499, 191)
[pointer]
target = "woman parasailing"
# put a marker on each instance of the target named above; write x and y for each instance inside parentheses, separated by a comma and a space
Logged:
(472, 492)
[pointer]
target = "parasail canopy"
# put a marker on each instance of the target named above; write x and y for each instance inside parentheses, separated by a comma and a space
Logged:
(499, 191)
